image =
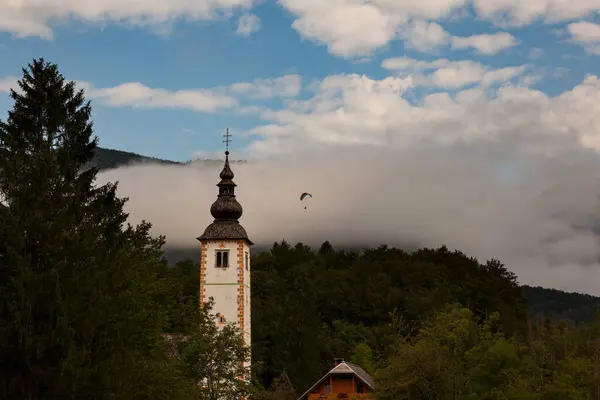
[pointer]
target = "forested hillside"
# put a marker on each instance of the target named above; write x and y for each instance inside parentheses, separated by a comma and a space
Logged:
(575, 307)
(110, 158)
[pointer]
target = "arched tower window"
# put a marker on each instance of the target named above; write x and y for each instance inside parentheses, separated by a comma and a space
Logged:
(222, 258)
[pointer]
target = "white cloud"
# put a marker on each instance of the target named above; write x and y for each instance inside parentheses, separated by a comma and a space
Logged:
(377, 22)
(424, 36)
(486, 43)
(248, 24)
(10, 82)
(285, 86)
(430, 36)
(204, 100)
(407, 63)
(587, 34)
(447, 74)
(492, 174)
(34, 18)
(327, 22)
(518, 13)
(374, 23)
(138, 95)
(536, 53)
(355, 109)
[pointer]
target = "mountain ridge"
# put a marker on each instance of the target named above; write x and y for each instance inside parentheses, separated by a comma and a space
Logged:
(106, 159)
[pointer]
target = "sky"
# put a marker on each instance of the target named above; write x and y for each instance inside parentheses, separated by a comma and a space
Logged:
(470, 123)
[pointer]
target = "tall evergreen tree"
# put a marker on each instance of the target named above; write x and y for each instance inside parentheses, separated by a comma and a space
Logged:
(76, 285)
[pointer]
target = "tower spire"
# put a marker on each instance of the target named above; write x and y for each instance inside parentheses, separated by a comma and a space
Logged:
(226, 210)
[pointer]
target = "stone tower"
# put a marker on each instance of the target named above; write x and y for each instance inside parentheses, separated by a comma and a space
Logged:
(225, 258)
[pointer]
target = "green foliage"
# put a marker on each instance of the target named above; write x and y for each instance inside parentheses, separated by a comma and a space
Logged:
(209, 359)
(453, 357)
(363, 357)
(310, 307)
(77, 288)
(282, 389)
(178, 293)
(214, 358)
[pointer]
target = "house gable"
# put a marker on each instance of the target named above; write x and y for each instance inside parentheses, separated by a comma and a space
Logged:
(342, 379)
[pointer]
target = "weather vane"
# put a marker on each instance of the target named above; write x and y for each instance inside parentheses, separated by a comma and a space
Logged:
(227, 137)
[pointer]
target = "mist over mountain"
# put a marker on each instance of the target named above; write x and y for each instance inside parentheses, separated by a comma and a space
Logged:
(535, 210)
(106, 159)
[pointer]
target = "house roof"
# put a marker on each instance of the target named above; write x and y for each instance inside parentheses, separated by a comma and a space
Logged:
(344, 367)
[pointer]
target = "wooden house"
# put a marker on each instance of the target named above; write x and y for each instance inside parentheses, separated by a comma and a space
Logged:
(344, 381)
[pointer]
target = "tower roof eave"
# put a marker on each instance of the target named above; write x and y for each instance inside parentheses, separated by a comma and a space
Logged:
(225, 230)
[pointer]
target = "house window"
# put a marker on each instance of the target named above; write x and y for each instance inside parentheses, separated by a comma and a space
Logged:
(246, 260)
(359, 387)
(222, 259)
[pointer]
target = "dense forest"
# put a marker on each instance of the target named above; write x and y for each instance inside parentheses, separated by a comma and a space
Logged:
(430, 324)
(90, 307)
(574, 307)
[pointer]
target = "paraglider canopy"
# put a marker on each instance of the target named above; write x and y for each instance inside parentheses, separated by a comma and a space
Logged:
(305, 195)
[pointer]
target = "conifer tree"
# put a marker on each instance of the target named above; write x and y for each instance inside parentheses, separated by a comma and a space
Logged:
(77, 318)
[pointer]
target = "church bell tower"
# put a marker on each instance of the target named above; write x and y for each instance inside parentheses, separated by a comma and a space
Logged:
(225, 257)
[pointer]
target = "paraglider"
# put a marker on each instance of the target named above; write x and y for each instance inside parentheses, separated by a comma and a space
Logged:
(304, 198)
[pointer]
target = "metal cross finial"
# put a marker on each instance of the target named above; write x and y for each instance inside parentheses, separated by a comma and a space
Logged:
(227, 140)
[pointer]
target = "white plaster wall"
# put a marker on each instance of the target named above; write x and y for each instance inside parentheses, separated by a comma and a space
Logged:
(221, 284)
(225, 292)
(220, 275)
